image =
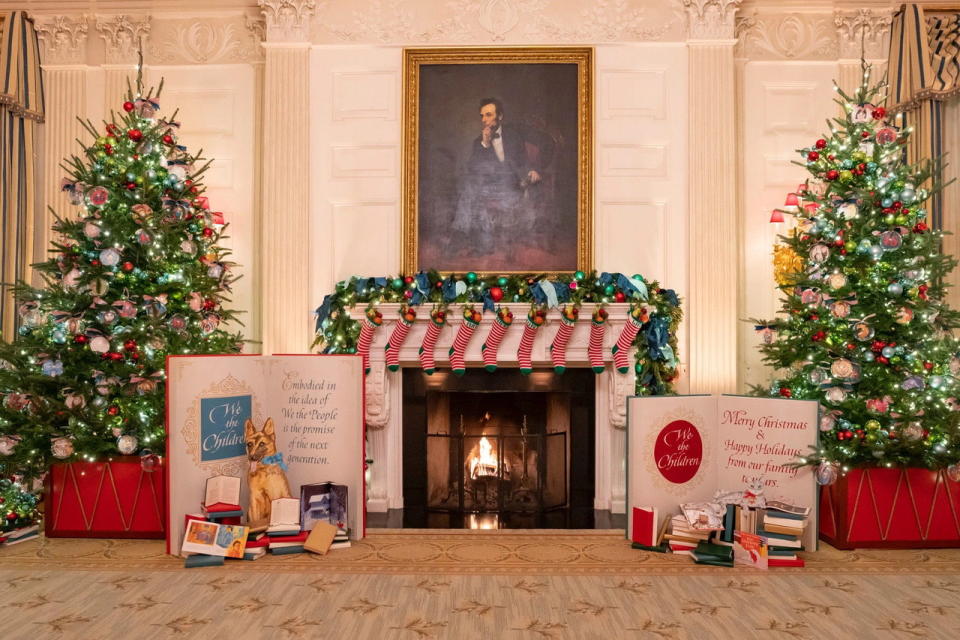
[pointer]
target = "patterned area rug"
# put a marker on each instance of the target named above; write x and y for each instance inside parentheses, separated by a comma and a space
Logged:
(419, 585)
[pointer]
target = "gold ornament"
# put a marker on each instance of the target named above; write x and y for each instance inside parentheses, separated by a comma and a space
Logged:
(786, 264)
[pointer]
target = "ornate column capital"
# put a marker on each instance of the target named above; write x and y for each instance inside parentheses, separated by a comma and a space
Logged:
(121, 35)
(863, 31)
(711, 19)
(287, 20)
(63, 39)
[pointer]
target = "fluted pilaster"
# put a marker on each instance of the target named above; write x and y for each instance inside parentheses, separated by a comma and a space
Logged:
(711, 308)
(284, 237)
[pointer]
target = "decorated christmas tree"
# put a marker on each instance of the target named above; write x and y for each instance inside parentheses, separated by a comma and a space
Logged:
(863, 326)
(136, 276)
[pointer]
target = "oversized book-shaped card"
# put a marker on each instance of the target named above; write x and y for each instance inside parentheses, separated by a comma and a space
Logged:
(300, 415)
(222, 493)
(682, 449)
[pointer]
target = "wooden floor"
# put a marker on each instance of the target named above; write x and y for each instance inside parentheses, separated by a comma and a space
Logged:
(468, 585)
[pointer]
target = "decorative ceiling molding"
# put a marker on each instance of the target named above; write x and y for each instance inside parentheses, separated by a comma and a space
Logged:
(498, 21)
(287, 20)
(213, 40)
(63, 39)
(863, 32)
(794, 36)
(711, 19)
(122, 36)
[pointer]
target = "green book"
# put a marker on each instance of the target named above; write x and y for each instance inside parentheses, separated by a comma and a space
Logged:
(719, 551)
(286, 550)
(663, 547)
(202, 560)
(712, 560)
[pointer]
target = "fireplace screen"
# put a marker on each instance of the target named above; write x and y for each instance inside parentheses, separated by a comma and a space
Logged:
(490, 463)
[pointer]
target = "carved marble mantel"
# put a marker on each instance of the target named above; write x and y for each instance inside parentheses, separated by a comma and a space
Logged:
(384, 394)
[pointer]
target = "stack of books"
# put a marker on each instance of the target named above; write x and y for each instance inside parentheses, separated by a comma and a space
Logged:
(284, 533)
(257, 545)
(17, 536)
(783, 526)
(683, 538)
(719, 555)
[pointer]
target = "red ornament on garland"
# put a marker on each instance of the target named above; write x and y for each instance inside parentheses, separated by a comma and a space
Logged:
(785, 392)
(496, 293)
(620, 296)
(135, 134)
(128, 106)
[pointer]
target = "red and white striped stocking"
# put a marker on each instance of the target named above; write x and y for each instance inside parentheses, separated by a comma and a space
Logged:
(492, 343)
(471, 320)
(535, 320)
(621, 350)
(558, 350)
(438, 318)
(598, 327)
(400, 331)
(370, 323)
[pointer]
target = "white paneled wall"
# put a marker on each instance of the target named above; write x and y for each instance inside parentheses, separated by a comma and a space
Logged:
(216, 111)
(355, 163)
(640, 175)
(785, 107)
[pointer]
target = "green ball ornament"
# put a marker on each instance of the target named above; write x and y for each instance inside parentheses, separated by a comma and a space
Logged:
(471, 277)
(637, 276)
(872, 425)
(638, 368)
(578, 275)
(101, 141)
(100, 155)
(845, 176)
(871, 437)
(859, 156)
(889, 218)
(901, 219)
(609, 290)
(397, 283)
(501, 281)
(850, 246)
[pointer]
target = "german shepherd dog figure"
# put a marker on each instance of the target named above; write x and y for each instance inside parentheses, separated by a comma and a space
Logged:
(267, 479)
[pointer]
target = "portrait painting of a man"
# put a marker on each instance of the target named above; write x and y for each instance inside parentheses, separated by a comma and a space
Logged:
(499, 168)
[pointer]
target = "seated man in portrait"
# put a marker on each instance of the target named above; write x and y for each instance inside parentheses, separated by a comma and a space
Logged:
(501, 194)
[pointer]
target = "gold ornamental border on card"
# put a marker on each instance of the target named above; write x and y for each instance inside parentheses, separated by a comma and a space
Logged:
(414, 58)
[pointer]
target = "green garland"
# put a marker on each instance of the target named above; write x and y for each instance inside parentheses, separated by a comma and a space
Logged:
(656, 354)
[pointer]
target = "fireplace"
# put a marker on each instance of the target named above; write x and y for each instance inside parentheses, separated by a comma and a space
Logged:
(486, 450)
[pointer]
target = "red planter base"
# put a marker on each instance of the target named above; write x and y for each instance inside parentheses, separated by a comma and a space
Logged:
(891, 509)
(112, 499)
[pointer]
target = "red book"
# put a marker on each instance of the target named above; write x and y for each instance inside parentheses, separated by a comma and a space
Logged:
(644, 526)
(187, 517)
(253, 544)
(217, 507)
(300, 537)
(773, 561)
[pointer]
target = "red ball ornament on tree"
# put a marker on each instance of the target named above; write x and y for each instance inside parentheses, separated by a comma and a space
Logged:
(209, 304)
(821, 143)
(108, 149)
(167, 139)
(131, 186)
(207, 232)
(80, 339)
(620, 296)
(128, 106)
(813, 156)
(94, 263)
(130, 345)
(128, 266)
(833, 174)
(879, 113)
(113, 410)
(785, 392)
(135, 134)
(496, 293)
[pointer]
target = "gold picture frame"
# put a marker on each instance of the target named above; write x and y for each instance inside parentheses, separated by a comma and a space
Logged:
(450, 221)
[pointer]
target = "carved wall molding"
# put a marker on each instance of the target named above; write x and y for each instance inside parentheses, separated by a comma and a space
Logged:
(63, 39)
(793, 36)
(122, 36)
(212, 40)
(711, 19)
(863, 31)
(498, 21)
(287, 20)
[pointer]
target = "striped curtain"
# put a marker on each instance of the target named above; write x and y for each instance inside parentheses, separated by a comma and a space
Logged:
(924, 72)
(21, 112)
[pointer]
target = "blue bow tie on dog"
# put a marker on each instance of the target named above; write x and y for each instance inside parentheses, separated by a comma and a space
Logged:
(276, 459)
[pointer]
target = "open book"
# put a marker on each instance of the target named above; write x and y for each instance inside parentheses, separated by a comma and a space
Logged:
(222, 493)
(284, 516)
